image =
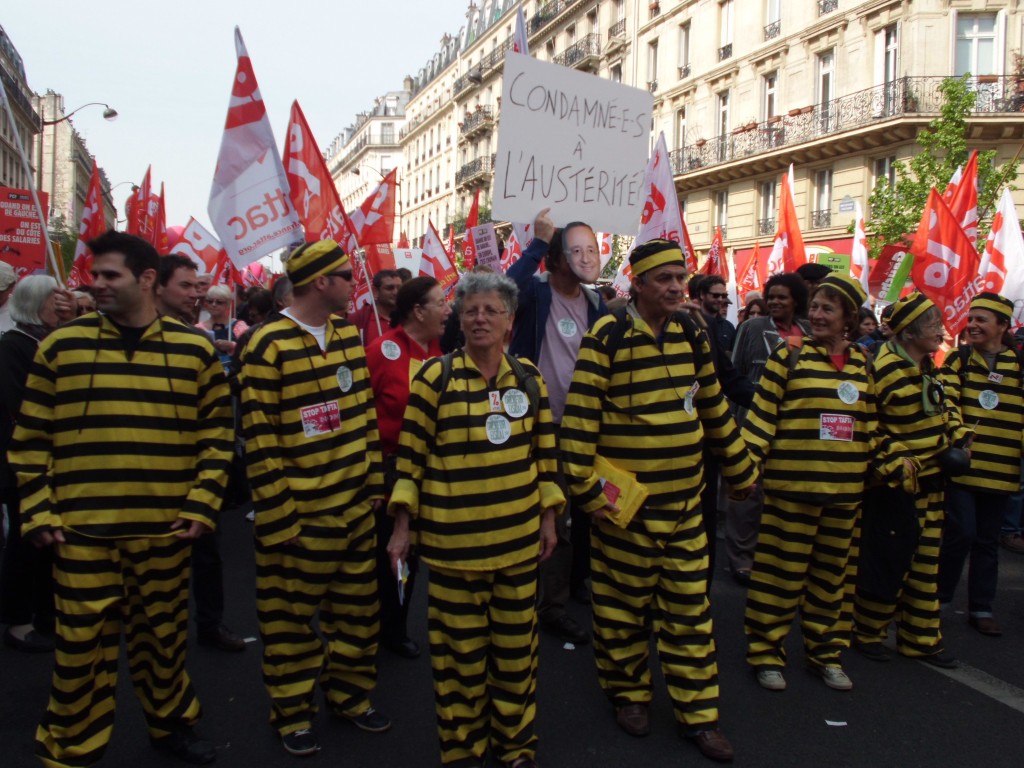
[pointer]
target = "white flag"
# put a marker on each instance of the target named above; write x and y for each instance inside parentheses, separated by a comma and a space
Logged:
(519, 42)
(859, 265)
(1002, 265)
(249, 204)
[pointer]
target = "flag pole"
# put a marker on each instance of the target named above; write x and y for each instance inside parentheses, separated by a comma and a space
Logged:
(31, 185)
(361, 255)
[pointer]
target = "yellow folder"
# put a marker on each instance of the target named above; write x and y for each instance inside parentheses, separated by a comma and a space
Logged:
(621, 489)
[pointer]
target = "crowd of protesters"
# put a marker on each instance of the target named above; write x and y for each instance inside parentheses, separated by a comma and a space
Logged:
(496, 441)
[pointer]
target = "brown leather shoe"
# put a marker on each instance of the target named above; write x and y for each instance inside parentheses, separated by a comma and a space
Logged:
(714, 745)
(632, 718)
(986, 625)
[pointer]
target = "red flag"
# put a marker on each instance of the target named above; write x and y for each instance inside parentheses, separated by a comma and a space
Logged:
(403, 242)
(375, 218)
(954, 182)
(788, 249)
(748, 277)
(160, 239)
(513, 250)
(662, 218)
(435, 262)
(138, 209)
(310, 186)
(201, 246)
(468, 249)
(92, 225)
(1002, 266)
(945, 263)
(716, 263)
(451, 243)
(886, 270)
(964, 203)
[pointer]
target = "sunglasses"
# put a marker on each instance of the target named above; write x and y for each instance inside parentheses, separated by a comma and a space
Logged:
(344, 274)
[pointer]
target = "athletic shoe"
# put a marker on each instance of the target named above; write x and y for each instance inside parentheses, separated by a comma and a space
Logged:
(300, 743)
(771, 679)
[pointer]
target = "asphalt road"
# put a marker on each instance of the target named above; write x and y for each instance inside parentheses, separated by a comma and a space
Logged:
(903, 713)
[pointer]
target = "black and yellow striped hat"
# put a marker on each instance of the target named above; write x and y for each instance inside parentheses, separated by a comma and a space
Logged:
(310, 260)
(653, 254)
(993, 302)
(848, 288)
(907, 310)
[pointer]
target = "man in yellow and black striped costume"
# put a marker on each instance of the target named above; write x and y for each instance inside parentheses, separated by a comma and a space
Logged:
(648, 404)
(898, 565)
(477, 468)
(122, 451)
(314, 465)
(987, 381)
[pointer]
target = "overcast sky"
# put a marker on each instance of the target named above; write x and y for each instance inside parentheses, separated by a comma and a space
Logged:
(167, 69)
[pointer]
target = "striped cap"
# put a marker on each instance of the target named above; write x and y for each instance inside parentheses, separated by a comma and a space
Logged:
(653, 254)
(993, 302)
(907, 310)
(310, 260)
(848, 288)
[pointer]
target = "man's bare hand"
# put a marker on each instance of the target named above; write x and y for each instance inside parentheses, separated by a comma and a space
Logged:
(43, 539)
(548, 536)
(194, 530)
(543, 226)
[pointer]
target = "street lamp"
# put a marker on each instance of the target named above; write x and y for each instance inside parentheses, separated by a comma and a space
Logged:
(109, 113)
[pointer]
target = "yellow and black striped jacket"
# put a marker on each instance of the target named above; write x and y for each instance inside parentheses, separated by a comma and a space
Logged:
(312, 448)
(116, 446)
(901, 414)
(813, 446)
(648, 411)
(996, 450)
(474, 476)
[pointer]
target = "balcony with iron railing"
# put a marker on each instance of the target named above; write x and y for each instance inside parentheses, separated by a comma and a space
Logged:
(907, 96)
(583, 53)
(821, 219)
(827, 6)
(773, 30)
(477, 121)
(725, 52)
(475, 169)
(766, 226)
(618, 29)
(548, 13)
(364, 141)
(684, 71)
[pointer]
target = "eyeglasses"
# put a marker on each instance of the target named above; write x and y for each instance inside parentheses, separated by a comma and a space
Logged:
(717, 296)
(487, 313)
(344, 274)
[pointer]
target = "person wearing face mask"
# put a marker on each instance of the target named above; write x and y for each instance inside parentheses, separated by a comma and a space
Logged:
(555, 310)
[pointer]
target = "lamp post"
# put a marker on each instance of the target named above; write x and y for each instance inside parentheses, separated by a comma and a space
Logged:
(398, 184)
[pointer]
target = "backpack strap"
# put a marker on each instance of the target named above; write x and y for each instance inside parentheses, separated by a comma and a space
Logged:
(527, 381)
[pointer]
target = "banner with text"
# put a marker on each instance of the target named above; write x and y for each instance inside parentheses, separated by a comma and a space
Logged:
(486, 244)
(572, 142)
(22, 238)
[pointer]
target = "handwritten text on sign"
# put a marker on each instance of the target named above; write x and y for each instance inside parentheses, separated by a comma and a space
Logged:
(22, 243)
(572, 142)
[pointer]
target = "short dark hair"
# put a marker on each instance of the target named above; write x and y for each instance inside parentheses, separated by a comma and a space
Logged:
(385, 274)
(404, 273)
(554, 255)
(607, 292)
(138, 254)
(813, 273)
(694, 285)
(411, 295)
(796, 286)
(170, 264)
(710, 280)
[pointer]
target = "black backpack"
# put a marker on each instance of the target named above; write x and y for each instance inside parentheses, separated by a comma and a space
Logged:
(622, 323)
(527, 381)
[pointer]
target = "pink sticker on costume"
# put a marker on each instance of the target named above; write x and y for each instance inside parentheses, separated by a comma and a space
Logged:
(836, 426)
(320, 419)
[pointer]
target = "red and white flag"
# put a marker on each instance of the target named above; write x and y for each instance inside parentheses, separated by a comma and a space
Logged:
(92, 225)
(138, 209)
(524, 233)
(310, 186)
(513, 251)
(249, 206)
(604, 240)
(788, 248)
(860, 266)
(520, 44)
(468, 248)
(954, 182)
(160, 239)
(623, 279)
(403, 242)
(1002, 264)
(662, 218)
(945, 263)
(451, 243)
(198, 244)
(435, 262)
(716, 263)
(375, 218)
(748, 277)
(964, 204)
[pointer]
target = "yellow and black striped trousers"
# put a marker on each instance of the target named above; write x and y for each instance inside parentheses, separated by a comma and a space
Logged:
(801, 561)
(483, 653)
(100, 586)
(647, 582)
(916, 610)
(332, 570)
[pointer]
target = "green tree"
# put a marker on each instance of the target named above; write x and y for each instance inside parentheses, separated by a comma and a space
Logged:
(896, 210)
(65, 236)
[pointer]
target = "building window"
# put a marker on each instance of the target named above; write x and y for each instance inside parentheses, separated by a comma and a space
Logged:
(722, 210)
(725, 19)
(615, 75)
(826, 83)
(766, 224)
(570, 35)
(769, 84)
(772, 19)
(975, 44)
(680, 128)
(885, 170)
(723, 113)
(652, 64)
(821, 217)
(684, 50)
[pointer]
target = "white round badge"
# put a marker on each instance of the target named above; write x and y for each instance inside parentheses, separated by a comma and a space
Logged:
(567, 327)
(515, 402)
(344, 378)
(988, 400)
(848, 393)
(498, 429)
(391, 350)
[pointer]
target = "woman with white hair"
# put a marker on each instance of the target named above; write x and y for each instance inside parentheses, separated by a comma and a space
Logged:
(222, 328)
(26, 586)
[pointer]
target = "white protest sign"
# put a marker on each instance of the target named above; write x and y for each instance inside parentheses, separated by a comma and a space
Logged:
(572, 142)
(408, 258)
(486, 244)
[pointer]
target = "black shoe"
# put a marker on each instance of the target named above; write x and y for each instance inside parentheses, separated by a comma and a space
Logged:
(942, 660)
(581, 594)
(407, 648)
(33, 642)
(564, 628)
(371, 720)
(873, 651)
(223, 639)
(185, 745)
(741, 576)
(300, 743)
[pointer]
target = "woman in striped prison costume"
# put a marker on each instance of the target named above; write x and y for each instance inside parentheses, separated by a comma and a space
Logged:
(477, 471)
(813, 428)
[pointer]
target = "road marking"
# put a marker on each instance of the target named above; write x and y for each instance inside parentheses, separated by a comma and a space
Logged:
(984, 683)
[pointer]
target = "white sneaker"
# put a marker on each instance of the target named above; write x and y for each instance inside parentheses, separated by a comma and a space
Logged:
(835, 678)
(771, 679)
